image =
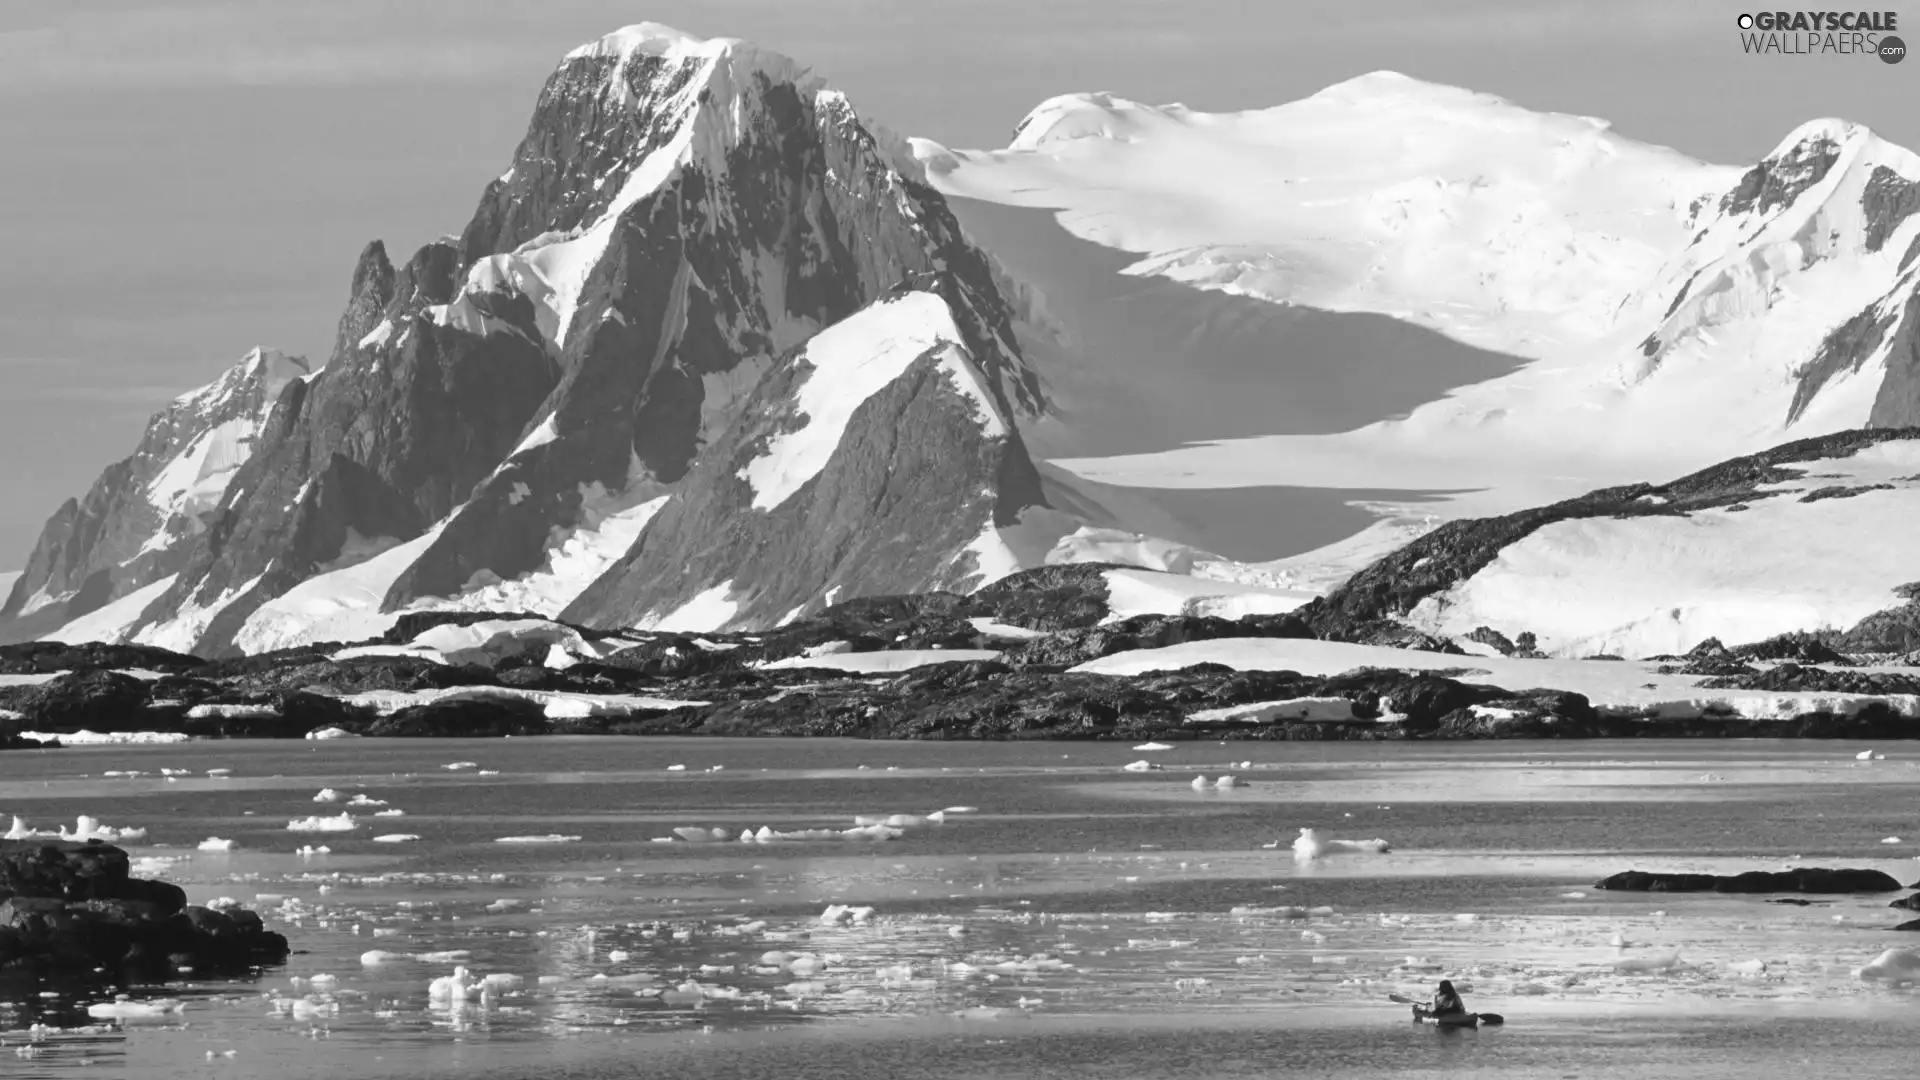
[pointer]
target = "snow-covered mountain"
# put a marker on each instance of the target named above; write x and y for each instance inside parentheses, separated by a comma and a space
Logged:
(714, 351)
(141, 518)
(1659, 314)
(626, 329)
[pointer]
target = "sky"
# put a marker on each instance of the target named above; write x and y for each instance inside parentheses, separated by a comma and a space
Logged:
(185, 179)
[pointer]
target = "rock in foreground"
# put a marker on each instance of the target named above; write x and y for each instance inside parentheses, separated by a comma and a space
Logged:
(1811, 879)
(73, 907)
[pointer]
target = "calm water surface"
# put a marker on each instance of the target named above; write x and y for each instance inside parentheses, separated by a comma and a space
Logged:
(1074, 920)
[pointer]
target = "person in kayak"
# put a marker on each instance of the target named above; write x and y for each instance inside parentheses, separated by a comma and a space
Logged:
(1446, 1002)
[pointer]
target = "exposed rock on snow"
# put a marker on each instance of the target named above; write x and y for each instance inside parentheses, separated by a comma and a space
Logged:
(1807, 879)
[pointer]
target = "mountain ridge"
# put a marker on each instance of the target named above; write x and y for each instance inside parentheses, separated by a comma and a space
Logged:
(602, 399)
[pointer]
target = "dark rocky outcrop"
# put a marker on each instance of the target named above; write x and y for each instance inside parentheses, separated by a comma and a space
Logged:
(46, 657)
(68, 907)
(465, 718)
(1811, 879)
(99, 700)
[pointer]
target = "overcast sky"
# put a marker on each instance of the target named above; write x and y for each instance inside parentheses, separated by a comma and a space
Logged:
(183, 179)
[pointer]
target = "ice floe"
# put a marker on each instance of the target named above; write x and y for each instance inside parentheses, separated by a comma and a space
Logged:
(544, 838)
(1896, 967)
(342, 822)
(331, 733)
(123, 1008)
(1309, 845)
(395, 838)
(107, 738)
(215, 843)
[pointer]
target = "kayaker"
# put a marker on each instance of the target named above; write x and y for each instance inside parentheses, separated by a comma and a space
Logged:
(1446, 1002)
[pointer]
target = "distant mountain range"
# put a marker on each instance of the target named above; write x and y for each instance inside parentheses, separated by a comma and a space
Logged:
(716, 352)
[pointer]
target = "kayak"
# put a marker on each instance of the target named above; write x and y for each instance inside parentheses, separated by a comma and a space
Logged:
(1466, 1020)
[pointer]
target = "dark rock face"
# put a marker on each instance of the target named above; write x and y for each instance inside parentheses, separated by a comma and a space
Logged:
(1777, 181)
(1897, 405)
(1845, 349)
(51, 656)
(1801, 880)
(72, 907)
(1888, 201)
(1368, 602)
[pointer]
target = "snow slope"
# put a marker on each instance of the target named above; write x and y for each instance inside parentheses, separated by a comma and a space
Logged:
(1640, 586)
(850, 362)
(111, 622)
(1671, 313)
(1458, 210)
(1621, 686)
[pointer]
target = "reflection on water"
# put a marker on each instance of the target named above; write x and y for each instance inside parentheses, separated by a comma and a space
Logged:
(1064, 910)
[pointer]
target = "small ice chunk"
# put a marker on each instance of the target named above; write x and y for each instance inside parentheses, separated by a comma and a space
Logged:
(328, 795)
(461, 766)
(1896, 967)
(1199, 783)
(343, 822)
(544, 838)
(1139, 766)
(676, 768)
(123, 1009)
(1226, 782)
(331, 733)
(395, 838)
(215, 843)
(1153, 746)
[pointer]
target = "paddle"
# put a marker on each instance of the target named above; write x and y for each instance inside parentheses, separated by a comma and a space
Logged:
(1485, 1017)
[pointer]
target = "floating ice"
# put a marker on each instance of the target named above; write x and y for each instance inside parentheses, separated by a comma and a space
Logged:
(676, 768)
(1153, 746)
(839, 914)
(331, 733)
(1309, 846)
(1896, 967)
(395, 838)
(123, 1009)
(92, 828)
(544, 838)
(1891, 840)
(215, 843)
(309, 850)
(1199, 783)
(363, 799)
(460, 766)
(1226, 782)
(328, 795)
(390, 813)
(1139, 766)
(1748, 968)
(342, 823)
(219, 772)
(107, 738)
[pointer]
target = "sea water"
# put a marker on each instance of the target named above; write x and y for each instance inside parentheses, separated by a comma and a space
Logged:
(1066, 917)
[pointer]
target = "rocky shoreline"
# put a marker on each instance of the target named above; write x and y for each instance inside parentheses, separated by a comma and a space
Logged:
(68, 906)
(874, 668)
